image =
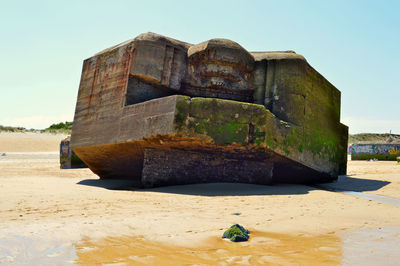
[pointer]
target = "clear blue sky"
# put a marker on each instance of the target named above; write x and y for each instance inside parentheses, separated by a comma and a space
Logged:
(354, 44)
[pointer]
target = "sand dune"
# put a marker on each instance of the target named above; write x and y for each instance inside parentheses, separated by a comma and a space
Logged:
(30, 142)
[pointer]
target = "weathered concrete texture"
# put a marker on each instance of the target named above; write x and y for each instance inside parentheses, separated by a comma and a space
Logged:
(188, 167)
(380, 151)
(219, 68)
(225, 122)
(172, 140)
(161, 111)
(181, 166)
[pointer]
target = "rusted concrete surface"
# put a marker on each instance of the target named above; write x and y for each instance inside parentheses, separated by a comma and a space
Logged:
(164, 112)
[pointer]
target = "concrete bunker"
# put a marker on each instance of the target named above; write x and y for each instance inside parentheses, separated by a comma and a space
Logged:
(161, 112)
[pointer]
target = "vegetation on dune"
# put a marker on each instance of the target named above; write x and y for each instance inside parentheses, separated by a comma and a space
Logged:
(373, 137)
(62, 127)
(14, 129)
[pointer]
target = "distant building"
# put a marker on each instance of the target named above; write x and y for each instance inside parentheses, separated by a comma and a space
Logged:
(373, 150)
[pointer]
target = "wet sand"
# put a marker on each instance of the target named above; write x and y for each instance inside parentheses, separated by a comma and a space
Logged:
(263, 248)
(69, 216)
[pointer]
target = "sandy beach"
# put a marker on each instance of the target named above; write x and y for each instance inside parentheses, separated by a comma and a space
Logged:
(49, 215)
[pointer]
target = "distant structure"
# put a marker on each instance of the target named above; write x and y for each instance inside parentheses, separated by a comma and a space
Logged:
(68, 158)
(374, 150)
(163, 112)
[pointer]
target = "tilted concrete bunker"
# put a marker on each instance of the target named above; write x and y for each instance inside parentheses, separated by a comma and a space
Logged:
(163, 112)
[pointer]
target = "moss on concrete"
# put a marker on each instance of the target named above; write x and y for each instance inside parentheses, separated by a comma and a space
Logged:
(230, 122)
(300, 95)
(182, 111)
(74, 160)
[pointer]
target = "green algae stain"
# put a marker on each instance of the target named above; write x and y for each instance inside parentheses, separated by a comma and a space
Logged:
(182, 112)
(232, 132)
(200, 127)
(227, 122)
(293, 139)
(323, 144)
(222, 133)
(75, 160)
(237, 233)
(224, 121)
(259, 138)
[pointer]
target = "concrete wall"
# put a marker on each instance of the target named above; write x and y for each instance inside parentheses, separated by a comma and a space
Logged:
(68, 158)
(295, 92)
(375, 151)
(114, 80)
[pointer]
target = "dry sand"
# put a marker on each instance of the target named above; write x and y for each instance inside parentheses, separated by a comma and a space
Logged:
(30, 142)
(65, 216)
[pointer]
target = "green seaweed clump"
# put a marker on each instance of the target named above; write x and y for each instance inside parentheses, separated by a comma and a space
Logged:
(237, 233)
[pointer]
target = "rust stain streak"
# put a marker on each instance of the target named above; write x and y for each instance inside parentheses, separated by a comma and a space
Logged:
(91, 90)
